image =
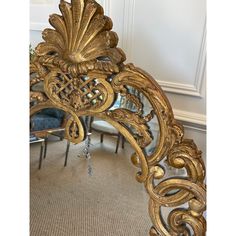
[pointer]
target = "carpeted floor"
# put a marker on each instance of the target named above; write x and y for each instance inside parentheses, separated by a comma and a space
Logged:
(66, 201)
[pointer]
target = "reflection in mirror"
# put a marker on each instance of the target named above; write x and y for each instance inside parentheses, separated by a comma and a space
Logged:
(108, 201)
(84, 72)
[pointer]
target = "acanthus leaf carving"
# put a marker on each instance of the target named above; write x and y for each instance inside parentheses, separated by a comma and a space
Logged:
(132, 119)
(82, 72)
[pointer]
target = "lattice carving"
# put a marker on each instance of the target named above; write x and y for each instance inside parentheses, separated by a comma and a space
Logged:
(82, 72)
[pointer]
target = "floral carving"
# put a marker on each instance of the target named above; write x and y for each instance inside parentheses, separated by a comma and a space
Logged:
(82, 72)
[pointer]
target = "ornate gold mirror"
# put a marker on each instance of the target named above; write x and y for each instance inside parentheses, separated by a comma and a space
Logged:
(83, 72)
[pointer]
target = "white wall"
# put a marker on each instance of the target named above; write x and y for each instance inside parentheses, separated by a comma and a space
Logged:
(164, 37)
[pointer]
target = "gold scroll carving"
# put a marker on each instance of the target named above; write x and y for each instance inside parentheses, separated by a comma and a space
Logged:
(83, 72)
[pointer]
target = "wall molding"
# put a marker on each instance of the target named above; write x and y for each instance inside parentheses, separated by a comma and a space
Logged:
(201, 66)
(191, 120)
(106, 7)
(194, 89)
(38, 26)
(128, 28)
(189, 89)
(180, 88)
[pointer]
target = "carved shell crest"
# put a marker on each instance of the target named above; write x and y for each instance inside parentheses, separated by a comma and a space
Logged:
(82, 33)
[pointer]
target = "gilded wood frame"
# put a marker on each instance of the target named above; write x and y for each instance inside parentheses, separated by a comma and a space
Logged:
(83, 71)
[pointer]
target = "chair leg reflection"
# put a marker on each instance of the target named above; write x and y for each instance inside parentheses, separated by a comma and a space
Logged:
(45, 147)
(67, 151)
(41, 155)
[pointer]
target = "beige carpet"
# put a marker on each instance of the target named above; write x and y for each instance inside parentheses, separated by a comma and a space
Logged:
(69, 202)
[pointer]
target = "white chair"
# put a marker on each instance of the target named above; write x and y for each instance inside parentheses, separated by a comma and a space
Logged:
(106, 129)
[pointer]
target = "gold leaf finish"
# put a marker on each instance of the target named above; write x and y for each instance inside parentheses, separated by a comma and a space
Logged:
(124, 116)
(82, 33)
(82, 72)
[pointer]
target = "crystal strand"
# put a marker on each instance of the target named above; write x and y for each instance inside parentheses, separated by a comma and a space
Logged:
(87, 154)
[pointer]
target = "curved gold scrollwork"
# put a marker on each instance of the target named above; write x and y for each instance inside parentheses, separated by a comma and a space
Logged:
(82, 72)
(190, 189)
(170, 130)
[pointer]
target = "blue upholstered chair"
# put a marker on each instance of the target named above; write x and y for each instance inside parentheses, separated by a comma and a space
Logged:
(46, 122)
(50, 118)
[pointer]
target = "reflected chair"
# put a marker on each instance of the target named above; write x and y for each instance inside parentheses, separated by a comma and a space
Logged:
(50, 121)
(47, 119)
(105, 128)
